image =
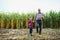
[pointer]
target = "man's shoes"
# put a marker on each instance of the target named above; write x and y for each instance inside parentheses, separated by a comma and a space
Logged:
(39, 33)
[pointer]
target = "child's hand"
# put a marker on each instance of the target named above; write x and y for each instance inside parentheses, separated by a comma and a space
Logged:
(33, 21)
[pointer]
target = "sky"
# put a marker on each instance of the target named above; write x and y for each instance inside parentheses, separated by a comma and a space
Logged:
(29, 5)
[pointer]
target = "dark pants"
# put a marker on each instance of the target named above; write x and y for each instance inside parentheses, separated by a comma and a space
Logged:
(37, 29)
(40, 26)
(30, 30)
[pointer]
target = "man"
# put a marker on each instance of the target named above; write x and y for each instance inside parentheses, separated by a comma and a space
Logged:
(39, 17)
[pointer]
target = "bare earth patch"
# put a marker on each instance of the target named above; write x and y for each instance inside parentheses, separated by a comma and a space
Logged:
(23, 34)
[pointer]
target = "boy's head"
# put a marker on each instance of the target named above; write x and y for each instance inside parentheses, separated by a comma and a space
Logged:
(30, 18)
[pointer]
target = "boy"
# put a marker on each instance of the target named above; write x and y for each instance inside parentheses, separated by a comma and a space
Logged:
(30, 24)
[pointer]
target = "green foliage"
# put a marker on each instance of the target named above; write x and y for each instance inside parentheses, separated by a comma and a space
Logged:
(16, 20)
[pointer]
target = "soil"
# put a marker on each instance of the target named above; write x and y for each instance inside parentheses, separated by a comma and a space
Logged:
(23, 34)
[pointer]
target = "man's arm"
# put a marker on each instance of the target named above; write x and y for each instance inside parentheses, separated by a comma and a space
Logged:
(42, 16)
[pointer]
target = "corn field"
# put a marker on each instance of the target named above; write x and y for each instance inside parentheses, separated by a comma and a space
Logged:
(17, 21)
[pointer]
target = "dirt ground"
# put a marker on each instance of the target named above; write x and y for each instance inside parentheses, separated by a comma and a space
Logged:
(23, 34)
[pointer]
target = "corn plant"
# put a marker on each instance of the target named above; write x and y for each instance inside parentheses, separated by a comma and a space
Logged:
(17, 21)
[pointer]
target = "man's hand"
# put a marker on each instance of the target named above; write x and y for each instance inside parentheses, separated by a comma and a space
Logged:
(42, 17)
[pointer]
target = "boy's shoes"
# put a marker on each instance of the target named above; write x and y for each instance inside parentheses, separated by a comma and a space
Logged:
(31, 34)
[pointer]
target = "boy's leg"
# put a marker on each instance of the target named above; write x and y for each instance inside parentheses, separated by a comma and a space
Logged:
(31, 31)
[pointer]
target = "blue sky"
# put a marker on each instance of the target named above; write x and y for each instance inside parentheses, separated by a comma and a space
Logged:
(29, 5)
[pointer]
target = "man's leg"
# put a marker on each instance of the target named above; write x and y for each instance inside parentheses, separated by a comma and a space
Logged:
(37, 29)
(40, 29)
(40, 26)
(37, 25)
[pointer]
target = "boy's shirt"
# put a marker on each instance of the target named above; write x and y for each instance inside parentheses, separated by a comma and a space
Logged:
(30, 23)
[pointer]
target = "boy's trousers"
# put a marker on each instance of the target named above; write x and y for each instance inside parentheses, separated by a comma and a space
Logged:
(31, 29)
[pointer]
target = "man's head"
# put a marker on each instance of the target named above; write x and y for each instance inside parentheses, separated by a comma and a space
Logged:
(39, 10)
